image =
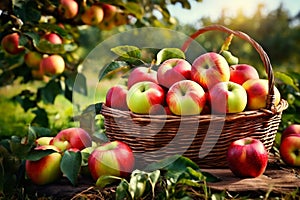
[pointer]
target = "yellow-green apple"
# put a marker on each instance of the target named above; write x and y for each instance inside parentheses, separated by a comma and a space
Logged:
(113, 158)
(257, 91)
(140, 74)
(290, 149)
(172, 71)
(240, 73)
(93, 15)
(109, 11)
(32, 59)
(43, 140)
(53, 64)
(10, 43)
(227, 97)
(143, 95)
(116, 97)
(210, 68)
(186, 97)
(45, 170)
(68, 9)
(72, 138)
(247, 157)
(293, 129)
(53, 38)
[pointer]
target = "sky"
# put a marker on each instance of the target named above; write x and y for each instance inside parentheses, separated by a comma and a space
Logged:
(212, 8)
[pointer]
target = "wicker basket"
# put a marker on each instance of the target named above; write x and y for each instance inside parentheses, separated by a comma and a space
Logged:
(202, 138)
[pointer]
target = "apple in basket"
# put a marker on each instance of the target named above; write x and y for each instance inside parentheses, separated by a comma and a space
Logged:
(290, 145)
(210, 68)
(186, 97)
(257, 91)
(247, 157)
(240, 73)
(140, 74)
(228, 97)
(116, 97)
(142, 96)
(113, 158)
(172, 71)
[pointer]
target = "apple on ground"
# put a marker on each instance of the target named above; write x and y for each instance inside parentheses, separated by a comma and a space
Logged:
(240, 73)
(227, 97)
(247, 157)
(41, 141)
(143, 95)
(53, 38)
(32, 59)
(113, 158)
(116, 97)
(10, 43)
(172, 71)
(52, 65)
(68, 9)
(293, 129)
(140, 74)
(186, 97)
(93, 15)
(45, 170)
(72, 138)
(257, 91)
(209, 69)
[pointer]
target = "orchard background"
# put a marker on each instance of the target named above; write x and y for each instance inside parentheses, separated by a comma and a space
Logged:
(35, 103)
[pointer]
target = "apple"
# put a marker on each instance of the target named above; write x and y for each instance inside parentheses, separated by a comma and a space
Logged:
(116, 97)
(68, 9)
(106, 25)
(43, 140)
(160, 110)
(172, 71)
(209, 69)
(32, 59)
(52, 65)
(140, 74)
(112, 158)
(293, 129)
(72, 138)
(93, 15)
(240, 73)
(109, 11)
(143, 95)
(120, 18)
(45, 170)
(257, 91)
(290, 149)
(247, 157)
(10, 43)
(228, 97)
(186, 97)
(53, 38)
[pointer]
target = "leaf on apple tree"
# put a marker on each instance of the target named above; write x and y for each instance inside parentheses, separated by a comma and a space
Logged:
(286, 79)
(127, 51)
(134, 8)
(168, 53)
(70, 165)
(113, 69)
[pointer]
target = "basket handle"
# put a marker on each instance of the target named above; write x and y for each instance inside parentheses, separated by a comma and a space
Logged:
(263, 56)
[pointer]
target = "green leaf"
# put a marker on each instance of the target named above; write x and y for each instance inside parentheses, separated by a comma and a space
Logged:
(35, 155)
(122, 190)
(137, 184)
(113, 68)
(70, 165)
(104, 181)
(50, 91)
(40, 131)
(168, 53)
(128, 53)
(77, 82)
(153, 178)
(134, 8)
(286, 79)
(41, 117)
(211, 178)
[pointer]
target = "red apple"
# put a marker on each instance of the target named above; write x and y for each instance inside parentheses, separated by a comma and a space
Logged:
(113, 158)
(109, 11)
(293, 129)
(93, 15)
(172, 71)
(160, 110)
(228, 97)
(186, 97)
(32, 59)
(53, 38)
(240, 73)
(209, 69)
(140, 74)
(247, 157)
(10, 43)
(290, 149)
(68, 9)
(45, 170)
(143, 95)
(116, 97)
(257, 90)
(120, 18)
(52, 65)
(72, 138)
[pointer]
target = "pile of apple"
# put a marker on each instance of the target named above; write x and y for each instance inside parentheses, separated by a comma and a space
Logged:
(208, 85)
(112, 158)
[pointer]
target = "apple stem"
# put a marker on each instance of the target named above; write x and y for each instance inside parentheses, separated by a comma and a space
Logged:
(151, 65)
(226, 44)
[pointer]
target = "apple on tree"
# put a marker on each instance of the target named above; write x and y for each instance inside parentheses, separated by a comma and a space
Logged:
(109, 11)
(32, 59)
(140, 74)
(247, 157)
(113, 158)
(52, 65)
(172, 71)
(240, 73)
(228, 97)
(10, 43)
(68, 9)
(186, 97)
(116, 97)
(53, 38)
(93, 15)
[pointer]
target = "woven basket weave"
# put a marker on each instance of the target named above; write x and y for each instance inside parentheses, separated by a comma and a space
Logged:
(202, 138)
